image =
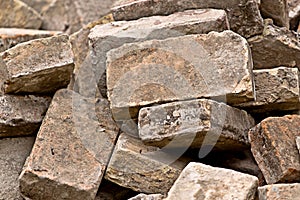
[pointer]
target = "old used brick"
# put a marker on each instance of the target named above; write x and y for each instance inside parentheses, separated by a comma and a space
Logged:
(106, 37)
(275, 47)
(71, 151)
(157, 71)
(10, 37)
(244, 15)
(16, 14)
(38, 66)
(13, 153)
(199, 181)
(275, 89)
(279, 192)
(189, 122)
(277, 10)
(274, 148)
(21, 115)
(133, 165)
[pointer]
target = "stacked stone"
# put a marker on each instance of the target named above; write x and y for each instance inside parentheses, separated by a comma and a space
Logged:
(165, 100)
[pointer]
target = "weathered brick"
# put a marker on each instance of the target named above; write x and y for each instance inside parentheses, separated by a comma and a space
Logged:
(179, 68)
(71, 151)
(244, 15)
(199, 181)
(274, 148)
(279, 192)
(136, 166)
(21, 115)
(38, 66)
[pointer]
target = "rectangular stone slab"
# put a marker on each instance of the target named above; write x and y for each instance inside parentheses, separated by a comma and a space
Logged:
(275, 47)
(279, 191)
(106, 37)
(142, 168)
(275, 90)
(10, 37)
(13, 153)
(71, 151)
(244, 15)
(22, 115)
(274, 148)
(179, 68)
(199, 181)
(38, 66)
(195, 123)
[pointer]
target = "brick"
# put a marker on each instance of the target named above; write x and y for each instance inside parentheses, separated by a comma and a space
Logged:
(106, 37)
(38, 66)
(275, 90)
(277, 10)
(71, 151)
(275, 47)
(158, 71)
(137, 166)
(13, 153)
(23, 15)
(10, 37)
(279, 192)
(274, 148)
(22, 115)
(190, 122)
(244, 15)
(199, 181)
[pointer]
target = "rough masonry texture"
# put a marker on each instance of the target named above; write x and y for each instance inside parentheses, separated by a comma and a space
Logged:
(188, 123)
(10, 37)
(71, 151)
(106, 37)
(277, 10)
(16, 14)
(199, 181)
(38, 66)
(21, 115)
(279, 192)
(13, 153)
(244, 15)
(186, 67)
(274, 148)
(142, 168)
(275, 89)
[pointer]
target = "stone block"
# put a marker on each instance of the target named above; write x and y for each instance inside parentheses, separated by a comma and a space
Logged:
(199, 181)
(179, 68)
(38, 66)
(22, 115)
(294, 13)
(38, 5)
(274, 148)
(71, 151)
(142, 168)
(147, 197)
(279, 192)
(298, 143)
(16, 14)
(277, 10)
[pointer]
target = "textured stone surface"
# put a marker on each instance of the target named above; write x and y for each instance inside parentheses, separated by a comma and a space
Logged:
(159, 71)
(13, 152)
(21, 115)
(244, 15)
(274, 148)
(276, 47)
(294, 12)
(147, 197)
(38, 66)
(106, 37)
(275, 89)
(136, 166)
(189, 122)
(199, 181)
(298, 143)
(38, 5)
(71, 15)
(16, 14)
(279, 192)
(71, 151)
(277, 10)
(10, 37)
